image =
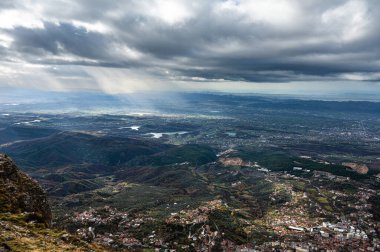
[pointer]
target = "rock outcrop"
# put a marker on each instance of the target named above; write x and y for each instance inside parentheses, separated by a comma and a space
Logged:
(25, 216)
(21, 194)
(359, 168)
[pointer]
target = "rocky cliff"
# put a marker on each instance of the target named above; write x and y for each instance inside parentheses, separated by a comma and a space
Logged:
(21, 194)
(25, 216)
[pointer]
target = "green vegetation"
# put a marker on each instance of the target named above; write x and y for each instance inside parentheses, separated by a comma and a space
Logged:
(192, 153)
(67, 148)
(75, 186)
(281, 161)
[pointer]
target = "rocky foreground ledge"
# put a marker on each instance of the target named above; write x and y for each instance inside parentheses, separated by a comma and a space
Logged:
(21, 194)
(25, 216)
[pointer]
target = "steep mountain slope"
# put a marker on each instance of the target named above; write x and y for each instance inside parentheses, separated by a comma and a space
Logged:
(25, 216)
(19, 193)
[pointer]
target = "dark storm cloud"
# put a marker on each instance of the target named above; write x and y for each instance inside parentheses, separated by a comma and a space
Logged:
(60, 38)
(252, 40)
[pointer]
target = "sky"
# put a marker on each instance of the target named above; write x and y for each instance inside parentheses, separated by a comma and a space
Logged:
(258, 46)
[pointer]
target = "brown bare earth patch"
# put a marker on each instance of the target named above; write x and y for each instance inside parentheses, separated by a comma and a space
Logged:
(359, 168)
(232, 161)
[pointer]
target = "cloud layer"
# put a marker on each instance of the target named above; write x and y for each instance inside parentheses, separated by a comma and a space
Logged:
(127, 45)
